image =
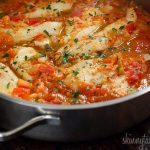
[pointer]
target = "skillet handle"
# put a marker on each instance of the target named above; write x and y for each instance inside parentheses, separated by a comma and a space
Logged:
(8, 135)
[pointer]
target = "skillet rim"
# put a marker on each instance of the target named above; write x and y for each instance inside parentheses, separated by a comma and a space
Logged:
(74, 107)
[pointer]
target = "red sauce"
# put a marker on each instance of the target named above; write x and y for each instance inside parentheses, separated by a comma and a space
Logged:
(125, 63)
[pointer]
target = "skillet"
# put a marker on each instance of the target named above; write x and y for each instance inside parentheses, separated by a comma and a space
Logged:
(73, 123)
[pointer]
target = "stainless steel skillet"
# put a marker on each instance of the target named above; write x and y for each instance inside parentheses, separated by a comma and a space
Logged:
(73, 123)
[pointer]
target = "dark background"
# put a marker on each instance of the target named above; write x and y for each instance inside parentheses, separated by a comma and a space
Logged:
(111, 143)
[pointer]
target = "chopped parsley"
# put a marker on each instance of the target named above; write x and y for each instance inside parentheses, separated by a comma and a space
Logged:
(76, 94)
(86, 56)
(75, 73)
(60, 82)
(90, 14)
(90, 37)
(15, 62)
(101, 55)
(6, 55)
(46, 32)
(76, 40)
(70, 22)
(2, 67)
(123, 49)
(26, 58)
(47, 47)
(65, 58)
(28, 30)
(60, 1)
(48, 7)
(54, 9)
(114, 29)
(8, 85)
(122, 27)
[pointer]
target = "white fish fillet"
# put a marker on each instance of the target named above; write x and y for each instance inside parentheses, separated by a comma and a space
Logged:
(8, 80)
(103, 39)
(21, 62)
(54, 9)
(28, 33)
(87, 72)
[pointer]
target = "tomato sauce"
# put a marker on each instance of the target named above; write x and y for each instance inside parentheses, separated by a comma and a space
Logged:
(73, 52)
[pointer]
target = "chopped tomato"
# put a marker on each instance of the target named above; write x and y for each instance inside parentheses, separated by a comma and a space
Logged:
(6, 41)
(92, 91)
(25, 84)
(76, 13)
(12, 5)
(131, 27)
(21, 92)
(72, 58)
(46, 69)
(52, 98)
(39, 37)
(33, 21)
(112, 59)
(17, 18)
(134, 72)
(56, 101)
(12, 53)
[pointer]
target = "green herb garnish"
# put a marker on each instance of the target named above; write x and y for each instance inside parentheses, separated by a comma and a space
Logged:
(65, 58)
(47, 47)
(46, 32)
(6, 55)
(76, 94)
(122, 27)
(76, 40)
(75, 73)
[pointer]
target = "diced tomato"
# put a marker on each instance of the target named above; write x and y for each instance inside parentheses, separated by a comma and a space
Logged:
(6, 41)
(23, 83)
(21, 92)
(76, 13)
(112, 59)
(12, 5)
(131, 27)
(141, 14)
(46, 69)
(56, 101)
(92, 91)
(39, 37)
(17, 18)
(52, 98)
(134, 72)
(33, 21)
(12, 53)
(72, 58)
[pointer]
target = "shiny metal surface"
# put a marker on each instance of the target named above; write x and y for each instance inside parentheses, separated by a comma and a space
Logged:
(73, 123)
(4, 136)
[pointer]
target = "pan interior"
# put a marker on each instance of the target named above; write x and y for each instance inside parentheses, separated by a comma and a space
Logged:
(72, 76)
